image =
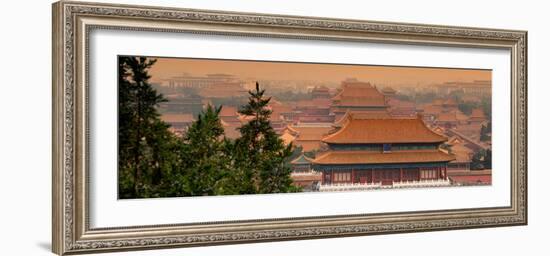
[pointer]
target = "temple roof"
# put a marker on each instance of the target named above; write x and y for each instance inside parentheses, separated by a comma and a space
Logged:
(359, 94)
(311, 132)
(383, 130)
(357, 114)
(375, 157)
(287, 137)
(302, 159)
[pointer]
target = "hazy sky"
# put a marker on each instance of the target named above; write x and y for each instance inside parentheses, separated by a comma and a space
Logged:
(169, 67)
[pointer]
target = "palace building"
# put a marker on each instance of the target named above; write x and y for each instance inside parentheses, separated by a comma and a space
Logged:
(358, 96)
(302, 174)
(382, 152)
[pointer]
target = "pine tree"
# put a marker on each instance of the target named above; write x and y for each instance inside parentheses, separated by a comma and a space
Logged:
(145, 144)
(205, 158)
(261, 153)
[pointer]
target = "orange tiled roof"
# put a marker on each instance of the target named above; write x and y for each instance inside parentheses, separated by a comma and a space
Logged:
(359, 94)
(477, 113)
(374, 157)
(386, 130)
(308, 145)
(462, 153)
(320, 103)
(281, 108)
(287, 138)
(177, 118)
(450, 102)
(447, 117)
(432, 109)
(231, 130)
(357, 114)
(438, 102)
(461, 116)
(311, 132)
(228, 111)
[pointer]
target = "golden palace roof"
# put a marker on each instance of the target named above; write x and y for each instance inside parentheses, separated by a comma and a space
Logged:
(359, 94)
(384, 130)
(376, 157)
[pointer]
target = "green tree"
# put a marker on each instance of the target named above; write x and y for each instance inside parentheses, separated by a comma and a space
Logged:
(204, 158)
(145, 144)
(486, 107)
(457, 95)
(487, 160)
(261, 153)
(485, 132)
(477, 160)
(467, 107)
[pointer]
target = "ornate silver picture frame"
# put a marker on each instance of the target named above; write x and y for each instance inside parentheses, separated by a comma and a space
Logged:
(74, 21)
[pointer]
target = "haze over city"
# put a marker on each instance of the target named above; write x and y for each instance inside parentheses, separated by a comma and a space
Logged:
(166, 68)
(336, 123)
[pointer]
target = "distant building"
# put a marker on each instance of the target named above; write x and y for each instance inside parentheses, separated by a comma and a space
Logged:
(463, 154)
(287, 137)
(313, 111)
(476, 87)
(358, 97)
(231, 130)
(230, 122)
(401, 108)
(477, 116)
(368, 153)
(224, 90)
(302, 175)
(308, 136)
(389, 93)
(189, 81)
(229, 115)
(178, 122)
(301, 164)
(320, 92)
(189, 105)
(451, 119)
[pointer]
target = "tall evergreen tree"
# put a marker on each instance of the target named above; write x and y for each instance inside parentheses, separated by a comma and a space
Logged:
(145, 144)
(205, 160)
(260, 151)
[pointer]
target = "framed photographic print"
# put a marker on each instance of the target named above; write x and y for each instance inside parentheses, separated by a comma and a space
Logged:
(178, 127)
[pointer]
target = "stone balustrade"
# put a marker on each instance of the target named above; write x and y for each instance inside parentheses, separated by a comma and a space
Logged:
(378, 185)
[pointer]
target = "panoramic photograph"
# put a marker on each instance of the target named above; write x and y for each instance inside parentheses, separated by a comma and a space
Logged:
(206, 127)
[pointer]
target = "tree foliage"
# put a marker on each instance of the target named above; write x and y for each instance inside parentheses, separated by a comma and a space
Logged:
(204, 158)
(263, 152)
(145, 145)
(485, 133)
(482, 159)
(155, 163)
